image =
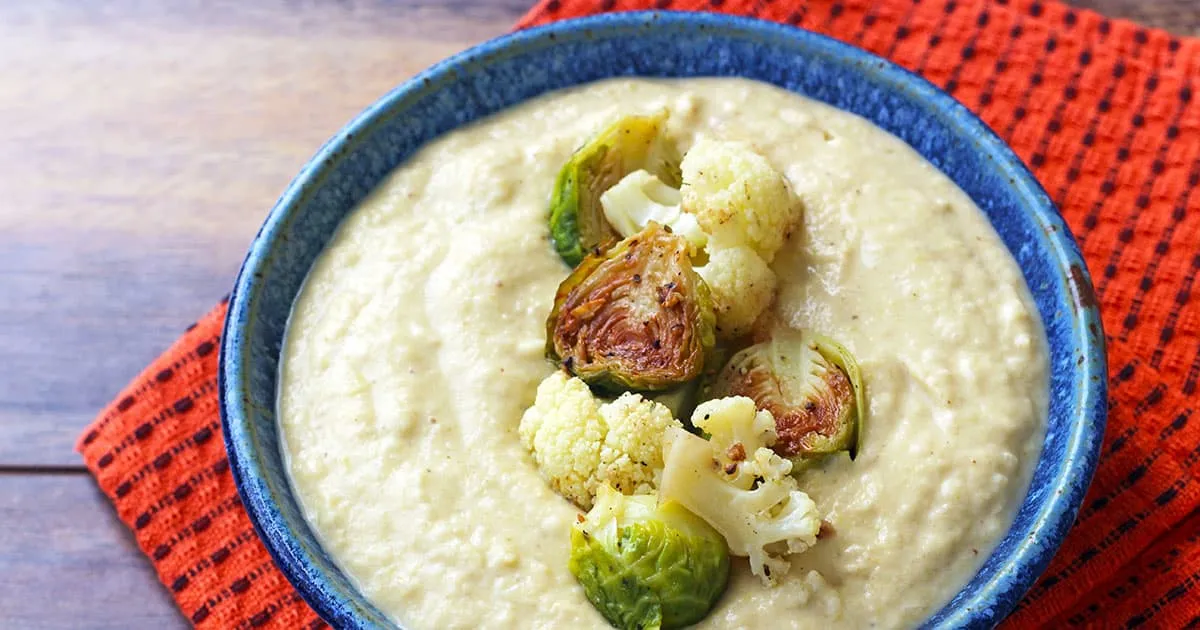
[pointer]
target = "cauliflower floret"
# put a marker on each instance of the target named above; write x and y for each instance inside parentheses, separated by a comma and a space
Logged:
(737, 196)
(752, 501)
(578, 443)
(742, 286)
(631, 456)
(639, 198)
(565, 431)
(735, 420)
(740, 436)
(766, 464)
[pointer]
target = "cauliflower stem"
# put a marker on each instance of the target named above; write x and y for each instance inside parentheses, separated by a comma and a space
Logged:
(739, 486)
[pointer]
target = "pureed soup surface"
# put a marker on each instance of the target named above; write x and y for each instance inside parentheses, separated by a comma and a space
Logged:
(418, 342)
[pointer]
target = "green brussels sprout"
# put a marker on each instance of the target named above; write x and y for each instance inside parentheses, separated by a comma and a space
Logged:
(810, 384)
(646, 566)
(636, 318)
(577, 222)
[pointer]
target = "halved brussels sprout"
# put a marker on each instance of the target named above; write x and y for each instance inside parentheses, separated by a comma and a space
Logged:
(810, 384)
(578, 226)
(648, 566)
(636, 318)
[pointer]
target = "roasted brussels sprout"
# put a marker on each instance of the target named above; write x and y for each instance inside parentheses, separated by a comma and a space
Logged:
(809, 383)
(577, 222)
(634, 318)
(647, 566)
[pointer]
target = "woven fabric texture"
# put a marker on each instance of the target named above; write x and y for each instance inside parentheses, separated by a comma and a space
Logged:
(1104, 113)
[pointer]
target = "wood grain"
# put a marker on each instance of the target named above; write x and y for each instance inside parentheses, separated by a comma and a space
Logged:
(141, 144)
(66, 562)
(1181, 17)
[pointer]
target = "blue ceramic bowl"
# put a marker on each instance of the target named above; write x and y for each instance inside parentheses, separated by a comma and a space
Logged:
(506, 71)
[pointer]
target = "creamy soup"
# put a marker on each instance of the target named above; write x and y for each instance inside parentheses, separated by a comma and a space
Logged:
(418, 341)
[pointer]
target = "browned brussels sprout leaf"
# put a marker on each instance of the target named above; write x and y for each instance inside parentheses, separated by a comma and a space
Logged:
(578, 226)
(634, 318)
(810, 383)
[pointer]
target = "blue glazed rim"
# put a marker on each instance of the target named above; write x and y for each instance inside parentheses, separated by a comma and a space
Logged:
(1064, 295)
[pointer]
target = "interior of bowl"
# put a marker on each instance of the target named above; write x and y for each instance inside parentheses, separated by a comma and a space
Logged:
(511, 69)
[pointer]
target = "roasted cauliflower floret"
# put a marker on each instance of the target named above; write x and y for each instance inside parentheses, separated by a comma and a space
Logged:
(641, 197)
(732, 421)
(742, 437)
(736, 483)
(565, 431)
(737, 196)
(742, 287)
(631, 455)
(580, 442)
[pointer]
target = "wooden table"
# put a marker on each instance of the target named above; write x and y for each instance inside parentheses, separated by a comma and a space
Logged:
(142, 144)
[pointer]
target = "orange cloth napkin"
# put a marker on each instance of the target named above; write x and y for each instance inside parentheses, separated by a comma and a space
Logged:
(1105, 113)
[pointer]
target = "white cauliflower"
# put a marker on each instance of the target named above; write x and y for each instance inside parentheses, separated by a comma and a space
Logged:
(739, 485)
(735, 419)
(737, 197)
(631, 456)
(741, 436)
(564, 430)
(742, 286)
(579, 443)
(639, 198)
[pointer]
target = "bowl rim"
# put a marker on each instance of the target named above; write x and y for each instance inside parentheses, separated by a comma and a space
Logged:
(1050, 522)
